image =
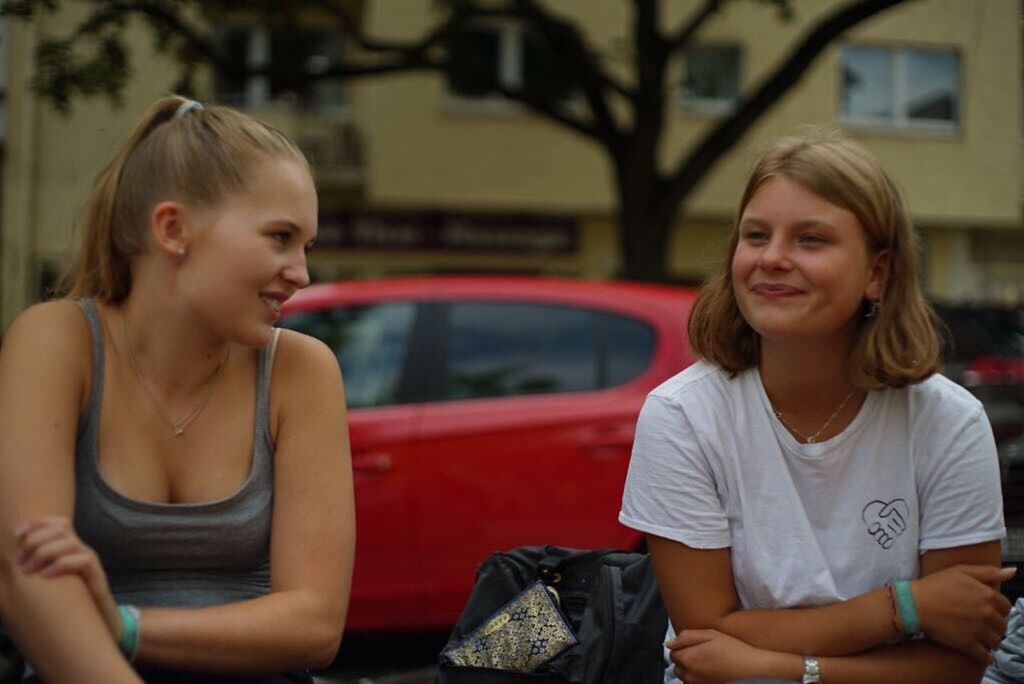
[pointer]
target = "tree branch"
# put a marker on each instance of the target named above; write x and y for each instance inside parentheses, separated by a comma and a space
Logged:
(162, 16)
(564, 39)
(682, 37)
(559, 28)
(550, 111)
(352, 29)
(401, 57)
(730, 130)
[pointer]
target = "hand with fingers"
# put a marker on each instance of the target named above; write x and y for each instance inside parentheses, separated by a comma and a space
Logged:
(886, 520)
(959, 608)
(707, 656)
(50, 547)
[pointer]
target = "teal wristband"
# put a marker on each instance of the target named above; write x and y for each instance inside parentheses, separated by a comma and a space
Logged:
(907, 608)
(129, 642)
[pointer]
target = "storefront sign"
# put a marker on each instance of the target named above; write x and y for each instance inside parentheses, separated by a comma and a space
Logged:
(437, 231)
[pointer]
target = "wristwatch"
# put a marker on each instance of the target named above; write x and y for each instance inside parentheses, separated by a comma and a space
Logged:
(812, 675)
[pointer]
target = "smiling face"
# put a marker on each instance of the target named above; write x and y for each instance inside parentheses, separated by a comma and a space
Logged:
(248, 254)
(802, 268)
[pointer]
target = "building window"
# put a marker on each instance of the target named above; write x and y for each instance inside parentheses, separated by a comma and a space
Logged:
(711, 77)
(900, 87)
(283, 53)
(507, 55)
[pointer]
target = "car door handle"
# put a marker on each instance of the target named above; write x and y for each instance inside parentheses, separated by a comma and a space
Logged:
(607, 451)
(608, 444)
(376, 462)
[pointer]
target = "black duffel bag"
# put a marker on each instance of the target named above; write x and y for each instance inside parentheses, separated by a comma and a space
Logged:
(609, 597)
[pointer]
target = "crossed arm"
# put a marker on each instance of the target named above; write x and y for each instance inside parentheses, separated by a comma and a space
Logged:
(62, 619)
(961, 611)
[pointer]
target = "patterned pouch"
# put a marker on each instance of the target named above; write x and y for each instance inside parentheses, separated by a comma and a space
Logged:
(521, 636)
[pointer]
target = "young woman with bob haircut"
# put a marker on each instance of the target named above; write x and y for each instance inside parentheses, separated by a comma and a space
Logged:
(820, 505)
(176, 496)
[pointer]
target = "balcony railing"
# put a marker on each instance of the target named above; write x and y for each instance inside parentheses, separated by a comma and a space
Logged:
(330, 139)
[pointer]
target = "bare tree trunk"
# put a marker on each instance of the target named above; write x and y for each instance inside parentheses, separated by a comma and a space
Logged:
(646, 218)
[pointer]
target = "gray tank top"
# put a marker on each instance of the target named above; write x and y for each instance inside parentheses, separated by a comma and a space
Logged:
(184, 555)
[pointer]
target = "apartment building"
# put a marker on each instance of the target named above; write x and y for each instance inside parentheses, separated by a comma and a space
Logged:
(417, 174)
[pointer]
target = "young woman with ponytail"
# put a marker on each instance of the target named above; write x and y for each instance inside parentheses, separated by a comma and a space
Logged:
(820, 505)
(176, 496)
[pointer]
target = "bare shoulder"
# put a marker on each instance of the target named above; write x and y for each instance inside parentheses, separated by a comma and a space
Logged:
(305, 374)
(63, 316)
(53, 331)
(307, 398)
(300, 355)
(49, 342)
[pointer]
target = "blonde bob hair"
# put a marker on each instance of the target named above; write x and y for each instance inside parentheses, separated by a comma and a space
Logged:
(192, 154)
(899, 346)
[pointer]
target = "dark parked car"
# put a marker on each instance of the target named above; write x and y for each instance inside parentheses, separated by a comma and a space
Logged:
(985, 354)
(486, 413)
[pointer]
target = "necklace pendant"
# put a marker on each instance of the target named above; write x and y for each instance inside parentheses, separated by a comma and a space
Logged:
(177, 431)
(810, 440)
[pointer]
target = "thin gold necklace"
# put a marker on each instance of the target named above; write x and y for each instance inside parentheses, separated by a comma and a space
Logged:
(811, 439)
(177, 426)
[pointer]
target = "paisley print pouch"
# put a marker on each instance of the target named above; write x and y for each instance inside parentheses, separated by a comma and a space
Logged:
(525, 633)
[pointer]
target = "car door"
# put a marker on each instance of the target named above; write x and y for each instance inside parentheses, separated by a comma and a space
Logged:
(529, 439)
(373, 342)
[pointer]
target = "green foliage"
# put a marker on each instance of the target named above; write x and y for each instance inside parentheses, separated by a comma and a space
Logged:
(26, 8)
(63, 73)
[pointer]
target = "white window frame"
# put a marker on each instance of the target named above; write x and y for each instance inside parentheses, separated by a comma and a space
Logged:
(711, 105)
(256, 92)
(511, 63)
(900, 121)
(510, 74)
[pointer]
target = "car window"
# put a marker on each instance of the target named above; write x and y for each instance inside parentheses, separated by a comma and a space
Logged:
(370, 342)
(629, 346)
(498, 349)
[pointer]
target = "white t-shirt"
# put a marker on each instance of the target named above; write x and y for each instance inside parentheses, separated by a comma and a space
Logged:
(812, 524)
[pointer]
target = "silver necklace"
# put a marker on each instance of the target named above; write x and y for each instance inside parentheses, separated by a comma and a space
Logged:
(811, 439)
(177, 426)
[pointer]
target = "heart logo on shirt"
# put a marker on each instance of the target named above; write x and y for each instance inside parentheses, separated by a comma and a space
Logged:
(886, 520)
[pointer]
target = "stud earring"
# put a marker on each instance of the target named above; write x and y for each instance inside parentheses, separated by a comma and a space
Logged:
(181, 250)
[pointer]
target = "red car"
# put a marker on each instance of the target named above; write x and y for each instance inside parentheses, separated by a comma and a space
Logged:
(486, 413)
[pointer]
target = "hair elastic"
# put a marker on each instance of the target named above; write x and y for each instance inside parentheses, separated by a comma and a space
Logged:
(186, 107)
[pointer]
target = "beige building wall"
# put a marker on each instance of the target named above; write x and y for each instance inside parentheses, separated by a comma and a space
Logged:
(427, 147)
(426, 150)
(50, 159)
